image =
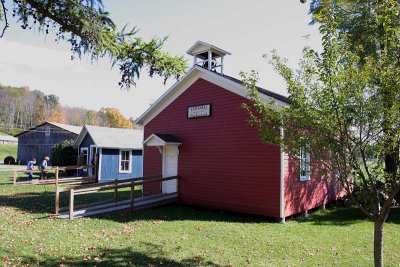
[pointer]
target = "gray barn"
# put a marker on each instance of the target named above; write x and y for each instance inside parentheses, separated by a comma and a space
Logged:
(37, 142)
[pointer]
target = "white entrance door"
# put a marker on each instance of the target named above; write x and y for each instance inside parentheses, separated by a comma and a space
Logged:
(170, 168)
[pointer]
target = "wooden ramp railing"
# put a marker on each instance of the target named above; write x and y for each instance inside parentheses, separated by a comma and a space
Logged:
(57, 179)
(153, 198)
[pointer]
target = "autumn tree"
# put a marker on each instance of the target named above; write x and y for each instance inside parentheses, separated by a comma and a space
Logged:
(112, 117)
(57, 115)
(87, 26)
(345, 104)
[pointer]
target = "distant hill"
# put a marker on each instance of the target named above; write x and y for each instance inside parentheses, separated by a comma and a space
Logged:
(22, 108)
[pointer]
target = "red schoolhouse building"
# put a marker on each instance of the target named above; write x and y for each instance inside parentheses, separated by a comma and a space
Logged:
(198, 130)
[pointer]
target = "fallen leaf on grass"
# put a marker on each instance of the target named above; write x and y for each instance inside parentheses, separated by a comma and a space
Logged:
(90, 248)
(126, 229)
(5, 260)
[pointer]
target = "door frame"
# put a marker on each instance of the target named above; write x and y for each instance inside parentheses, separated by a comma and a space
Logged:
(164, 155)
(90, 158)
(87, 157)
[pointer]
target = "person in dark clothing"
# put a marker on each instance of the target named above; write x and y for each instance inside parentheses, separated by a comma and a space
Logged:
(44, 168)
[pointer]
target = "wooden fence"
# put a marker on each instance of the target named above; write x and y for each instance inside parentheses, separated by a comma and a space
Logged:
(57, 180)
(107, 186)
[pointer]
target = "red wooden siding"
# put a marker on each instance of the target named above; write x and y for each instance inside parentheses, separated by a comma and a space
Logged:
(305, 195)
(222, 162)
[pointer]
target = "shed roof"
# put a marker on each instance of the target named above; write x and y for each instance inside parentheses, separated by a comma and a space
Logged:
(70, 128)
(117, 138)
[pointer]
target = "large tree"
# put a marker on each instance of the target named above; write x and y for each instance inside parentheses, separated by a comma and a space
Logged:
(345, 105)
(87, 26)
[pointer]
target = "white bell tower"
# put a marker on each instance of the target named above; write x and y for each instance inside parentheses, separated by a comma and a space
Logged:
(208, 56)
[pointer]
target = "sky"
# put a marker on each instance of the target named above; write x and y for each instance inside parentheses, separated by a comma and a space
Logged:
(247, 29)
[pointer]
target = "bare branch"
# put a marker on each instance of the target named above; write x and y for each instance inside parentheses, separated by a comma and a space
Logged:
(5, 18)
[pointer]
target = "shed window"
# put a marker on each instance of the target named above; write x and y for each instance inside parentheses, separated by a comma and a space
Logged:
(305, 164)
(47, 131)
(125, 158)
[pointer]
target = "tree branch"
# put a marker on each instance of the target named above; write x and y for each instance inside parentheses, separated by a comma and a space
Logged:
(5, 18)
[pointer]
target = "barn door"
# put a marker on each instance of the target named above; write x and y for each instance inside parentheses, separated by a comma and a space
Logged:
(170, 168)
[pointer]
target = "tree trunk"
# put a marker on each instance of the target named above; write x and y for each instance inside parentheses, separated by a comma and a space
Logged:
(378, 243)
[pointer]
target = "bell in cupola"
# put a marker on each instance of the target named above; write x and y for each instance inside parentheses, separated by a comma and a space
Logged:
(208, 56)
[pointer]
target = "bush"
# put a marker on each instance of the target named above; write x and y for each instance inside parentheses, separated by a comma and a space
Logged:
(9, 160)
(63, 154)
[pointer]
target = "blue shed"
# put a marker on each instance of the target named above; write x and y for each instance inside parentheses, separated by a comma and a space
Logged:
(119, 151)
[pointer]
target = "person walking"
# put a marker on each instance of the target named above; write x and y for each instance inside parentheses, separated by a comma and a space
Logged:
(44, 168)
(29, 168)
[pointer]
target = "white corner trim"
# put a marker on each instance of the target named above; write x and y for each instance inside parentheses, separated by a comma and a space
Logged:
(100, 152)
(282, 181)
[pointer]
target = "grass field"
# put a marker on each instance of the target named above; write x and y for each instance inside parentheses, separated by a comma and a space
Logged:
(8, 150)
(180, 236)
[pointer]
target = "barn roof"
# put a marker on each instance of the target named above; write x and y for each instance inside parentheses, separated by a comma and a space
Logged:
(224, 81)
(70, 128)
(117, 138)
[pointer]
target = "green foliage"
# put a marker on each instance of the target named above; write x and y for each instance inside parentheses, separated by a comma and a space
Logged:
(347, 108)
(90, 117)
(63, 154)
(87, 26)
(345, 104)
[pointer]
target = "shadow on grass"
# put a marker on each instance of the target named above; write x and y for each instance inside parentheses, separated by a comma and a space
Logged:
(341, 216)
(154, 256)
(43, 202)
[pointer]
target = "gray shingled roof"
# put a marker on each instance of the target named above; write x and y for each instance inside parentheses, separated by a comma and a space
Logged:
(118, 138)
(71, 128)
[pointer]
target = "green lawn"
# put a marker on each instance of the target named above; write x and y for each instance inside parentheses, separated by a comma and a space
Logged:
(181, 236)
(8, 150)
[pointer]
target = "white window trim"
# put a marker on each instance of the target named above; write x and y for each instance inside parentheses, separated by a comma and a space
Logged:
(307, 160)
(120, 160)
